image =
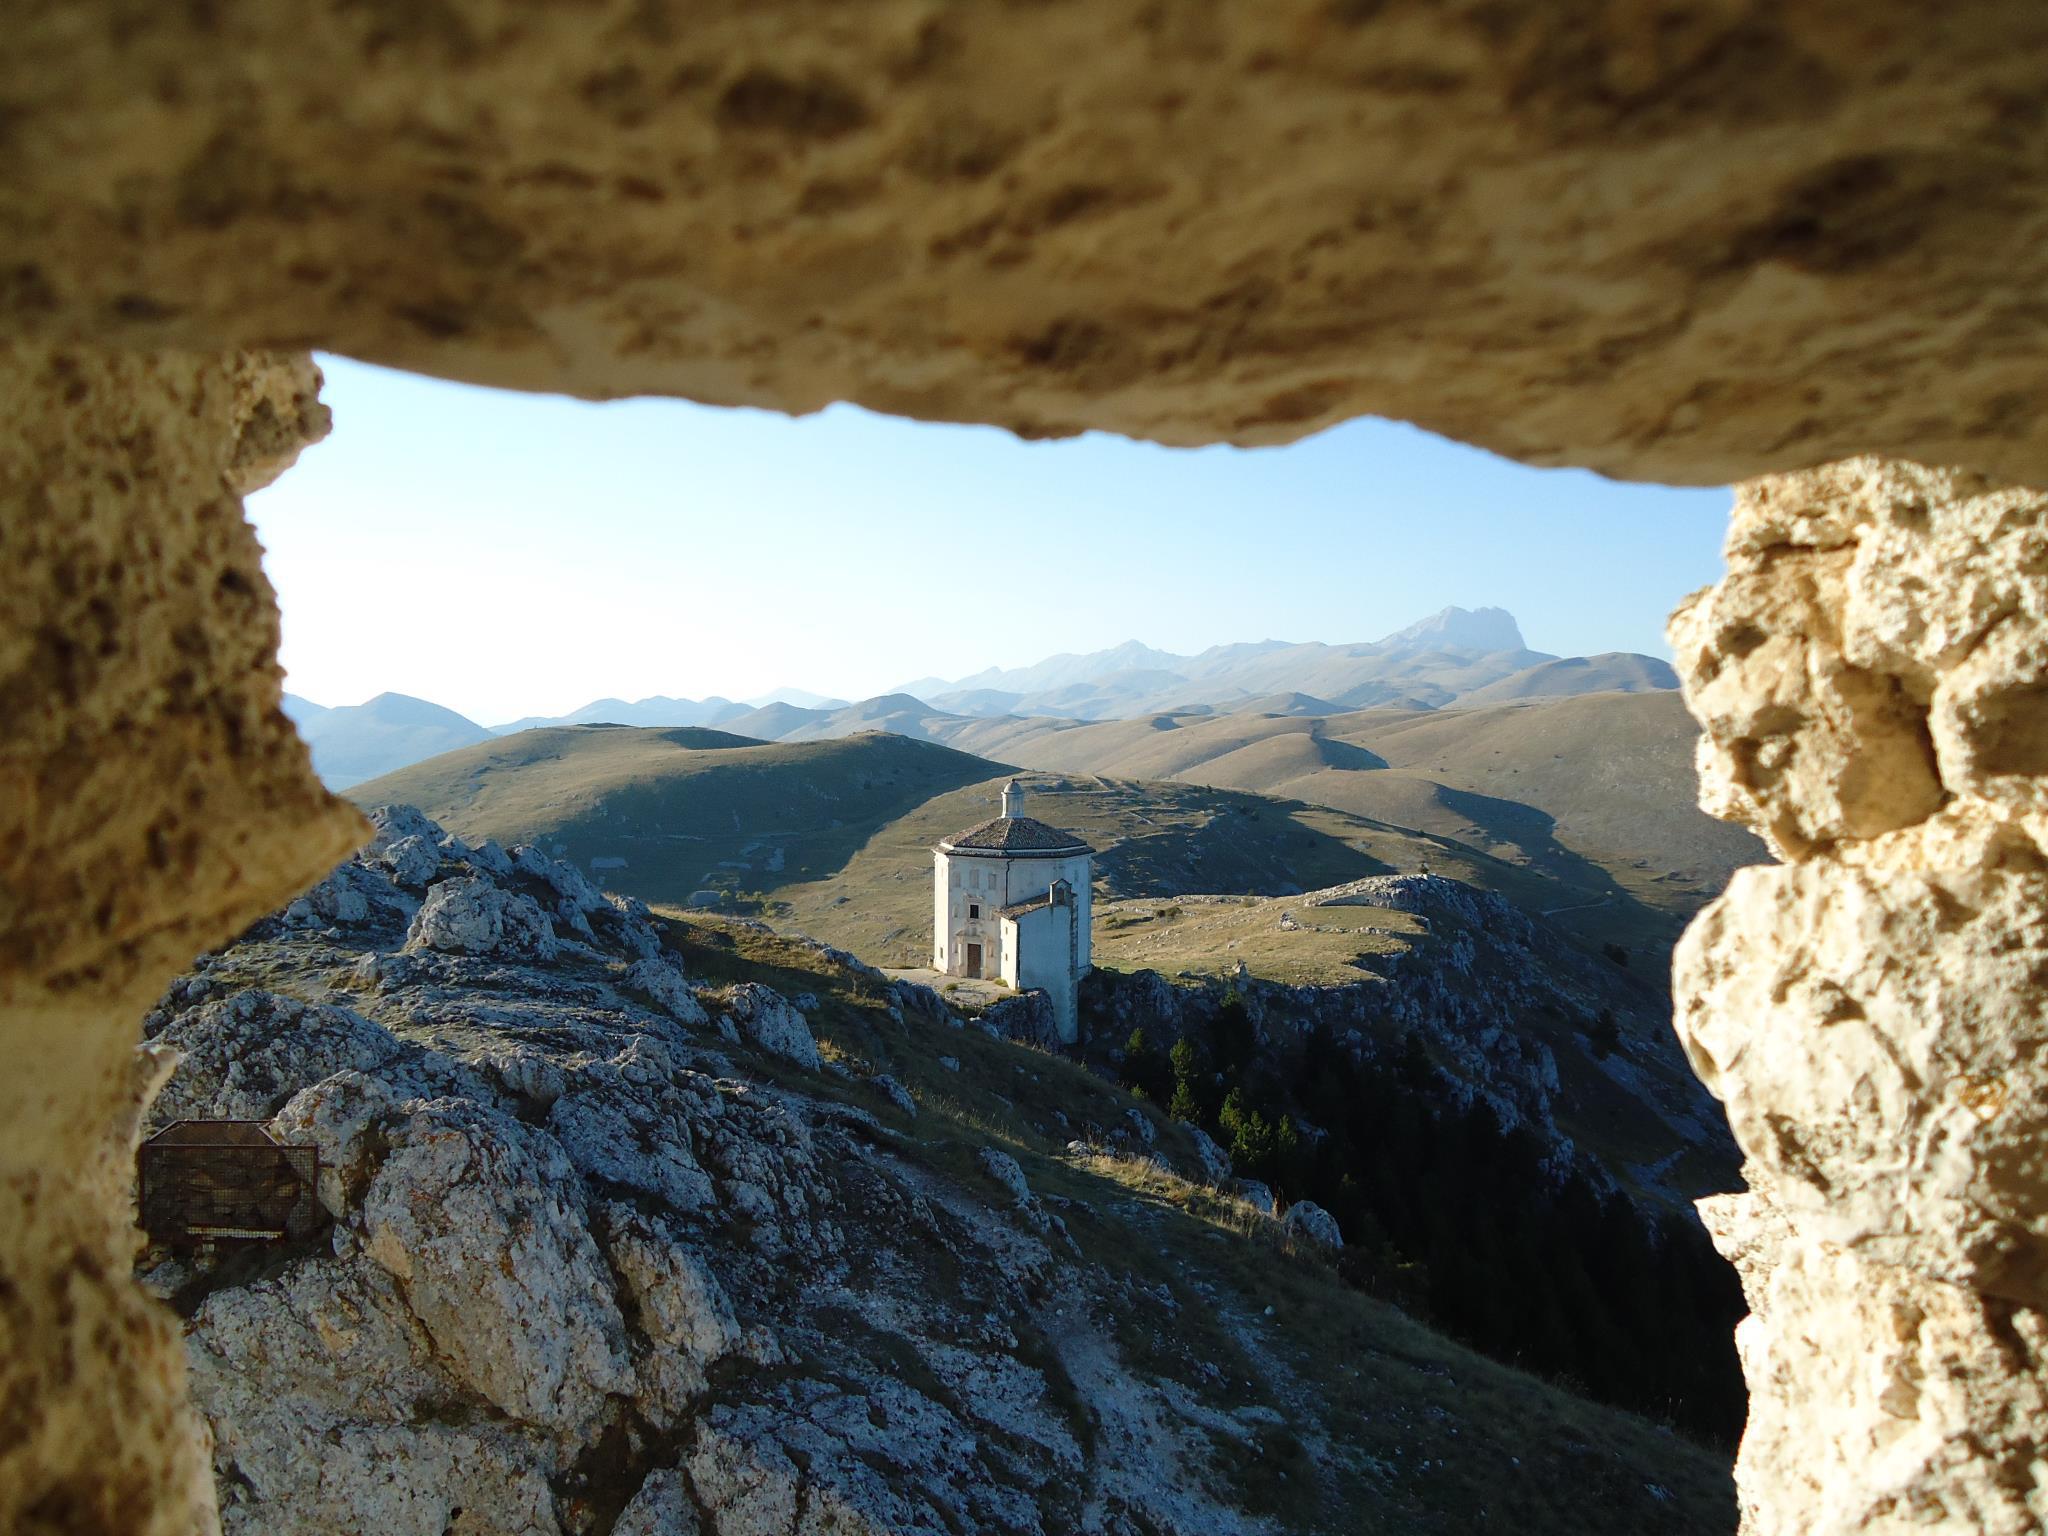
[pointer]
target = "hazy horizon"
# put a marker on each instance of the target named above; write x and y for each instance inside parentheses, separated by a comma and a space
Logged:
(508, 555)
(796, 693)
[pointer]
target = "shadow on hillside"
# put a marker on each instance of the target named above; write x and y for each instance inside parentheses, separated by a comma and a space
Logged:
(1348, 755)
(756, 829)
(1534, 833)
(1253, 847)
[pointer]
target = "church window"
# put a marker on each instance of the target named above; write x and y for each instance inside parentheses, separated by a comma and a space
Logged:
(973, 909)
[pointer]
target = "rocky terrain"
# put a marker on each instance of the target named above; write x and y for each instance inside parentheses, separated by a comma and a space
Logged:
(1508, 1013)
(644, 1228)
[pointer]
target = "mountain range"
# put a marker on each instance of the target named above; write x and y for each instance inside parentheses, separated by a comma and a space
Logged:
(1453, 658)
(353, 742)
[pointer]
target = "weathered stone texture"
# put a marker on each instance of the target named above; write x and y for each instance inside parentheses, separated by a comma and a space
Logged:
(1687, 241)
(1680, 241)
(1870, 675)
(153, 800)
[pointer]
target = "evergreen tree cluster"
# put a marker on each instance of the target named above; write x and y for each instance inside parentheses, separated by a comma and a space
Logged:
(1450, 1214)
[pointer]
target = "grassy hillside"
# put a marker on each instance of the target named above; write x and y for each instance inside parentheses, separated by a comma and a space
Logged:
(1594, 792)
(1609, 672)
(679, 809)
(1152, 840)
(1613, 772)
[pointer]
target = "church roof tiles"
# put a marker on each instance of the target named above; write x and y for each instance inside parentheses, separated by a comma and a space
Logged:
(1016, 834)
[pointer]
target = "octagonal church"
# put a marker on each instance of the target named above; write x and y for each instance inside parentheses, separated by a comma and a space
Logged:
(1011, 900)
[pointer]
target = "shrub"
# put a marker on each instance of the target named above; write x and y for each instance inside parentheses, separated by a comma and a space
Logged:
(1147, 1071)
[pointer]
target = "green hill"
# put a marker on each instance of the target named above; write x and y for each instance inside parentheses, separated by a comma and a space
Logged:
(661, 812)
(1152, 839)
(1593, 791)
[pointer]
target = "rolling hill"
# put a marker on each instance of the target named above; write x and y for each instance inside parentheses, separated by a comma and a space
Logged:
(1164, 839)
(836, 834)
(659, 813)
(1609, 672)
(656, 710)
(1596, 791)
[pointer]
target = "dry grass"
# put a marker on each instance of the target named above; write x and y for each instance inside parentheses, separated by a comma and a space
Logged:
(1208, 938)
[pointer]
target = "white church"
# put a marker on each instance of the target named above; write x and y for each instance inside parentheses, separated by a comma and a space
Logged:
(1011, 900)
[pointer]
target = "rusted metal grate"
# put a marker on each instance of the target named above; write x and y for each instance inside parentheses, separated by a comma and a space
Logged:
(205, 1181)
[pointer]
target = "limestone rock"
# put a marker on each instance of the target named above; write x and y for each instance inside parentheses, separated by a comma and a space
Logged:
(244, 1055)
(1869, 675)
(668, 987)
(1213, 1162)
(575, 898)
(154, 801)
(1841, 698)
(332, 1354)
(1686, 244)
(1003, 1168)
(471, 1213)
(347, 1115)
(767, 1019)
(895, 1092)
(662, 1507)
(1258, 1196)
(1875, 1037)
(633, 1134)
(1307, 1220)
(1882, 1401)
(680, 1308)
(474, 917)
(395, 824)
(414, 861)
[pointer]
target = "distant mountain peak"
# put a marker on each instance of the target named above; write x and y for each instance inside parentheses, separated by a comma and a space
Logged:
(1459, 629)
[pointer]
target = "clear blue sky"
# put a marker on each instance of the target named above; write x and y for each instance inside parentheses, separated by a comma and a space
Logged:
(508, 554)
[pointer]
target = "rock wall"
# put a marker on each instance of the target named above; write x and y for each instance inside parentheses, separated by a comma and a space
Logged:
(153, 800)
(1693, 241)
(1688, 240)
(1871, 675)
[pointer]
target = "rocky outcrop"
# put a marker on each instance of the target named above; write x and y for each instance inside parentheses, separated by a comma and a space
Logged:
(1311, 1223)
(1870, 678)
(1504, 1011)
(153, 801)
(474, 917)
(772, 1022)
(598, 1264)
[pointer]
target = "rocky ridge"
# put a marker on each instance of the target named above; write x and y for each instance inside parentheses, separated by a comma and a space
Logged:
(1505, 1012)
(616, 1248)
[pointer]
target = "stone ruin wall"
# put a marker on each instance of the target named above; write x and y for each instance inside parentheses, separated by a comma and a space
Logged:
(1696, 241)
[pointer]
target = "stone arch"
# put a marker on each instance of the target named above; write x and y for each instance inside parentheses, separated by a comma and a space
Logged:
(1698, 241)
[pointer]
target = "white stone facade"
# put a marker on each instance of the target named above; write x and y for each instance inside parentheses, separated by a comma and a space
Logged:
(1018, 909)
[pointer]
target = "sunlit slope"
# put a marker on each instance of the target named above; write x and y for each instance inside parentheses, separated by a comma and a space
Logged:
(1151, 839)
(661, 812)
(1609, 672)
(1614, 772)
(1596, 790)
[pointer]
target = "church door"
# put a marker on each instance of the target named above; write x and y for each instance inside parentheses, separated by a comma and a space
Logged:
(974, 960)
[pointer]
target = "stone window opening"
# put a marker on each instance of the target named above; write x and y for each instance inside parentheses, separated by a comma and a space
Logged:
(1861, 673)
